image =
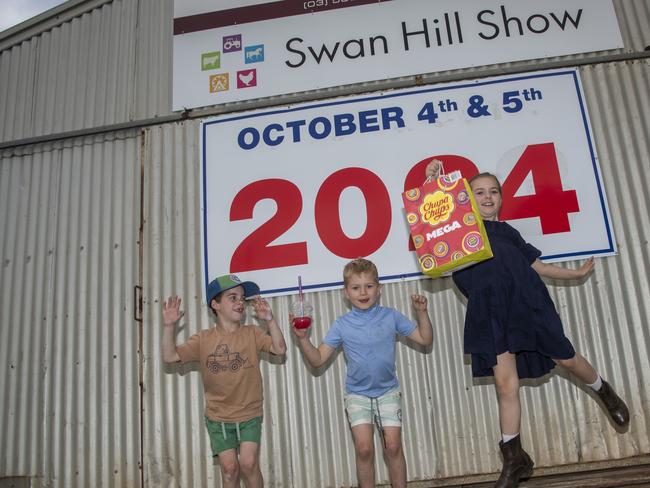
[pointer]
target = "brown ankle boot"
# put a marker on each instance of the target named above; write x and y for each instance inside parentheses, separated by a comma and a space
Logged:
(615, 406)
(517, 465)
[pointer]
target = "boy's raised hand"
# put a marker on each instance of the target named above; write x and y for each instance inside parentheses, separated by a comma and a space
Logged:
(262, 308)
(419, 302)
(172, 310)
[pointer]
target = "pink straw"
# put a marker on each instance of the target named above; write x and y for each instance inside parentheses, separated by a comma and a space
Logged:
(300, 294)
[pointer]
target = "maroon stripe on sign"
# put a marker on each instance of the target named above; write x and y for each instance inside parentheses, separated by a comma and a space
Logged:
(257, 13)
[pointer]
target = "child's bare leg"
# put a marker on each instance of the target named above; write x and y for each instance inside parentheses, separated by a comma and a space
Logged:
(395, 456)
(517, 464)
(364, 451)
(580, 367)
(249, 464)
(229, 465)
(507, 386)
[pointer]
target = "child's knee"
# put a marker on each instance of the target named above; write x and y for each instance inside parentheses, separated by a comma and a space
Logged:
(248, 464)
(507, 385)
(365, 451)
(569, 364)
(229, 468)
(393, 449)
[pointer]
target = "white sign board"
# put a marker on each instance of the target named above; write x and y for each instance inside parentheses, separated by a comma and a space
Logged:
(301, 190)
(238, 50)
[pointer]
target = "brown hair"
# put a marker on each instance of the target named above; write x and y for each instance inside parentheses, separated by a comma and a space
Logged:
(359, 266)
(485, 174)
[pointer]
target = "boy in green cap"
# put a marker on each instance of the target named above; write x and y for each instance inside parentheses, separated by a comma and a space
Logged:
(228, 354)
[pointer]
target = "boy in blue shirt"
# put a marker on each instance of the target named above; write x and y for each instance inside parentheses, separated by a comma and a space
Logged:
(367, 334)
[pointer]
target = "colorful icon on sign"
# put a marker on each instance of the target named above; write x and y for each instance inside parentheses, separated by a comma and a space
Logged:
(232, 43)
(210, 60)
(254, 54)
(246, 78)
(220, 82)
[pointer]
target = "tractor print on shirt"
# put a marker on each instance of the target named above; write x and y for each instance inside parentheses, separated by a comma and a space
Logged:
(223, 360)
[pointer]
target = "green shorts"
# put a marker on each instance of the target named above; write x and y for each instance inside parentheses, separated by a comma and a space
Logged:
(225, 435)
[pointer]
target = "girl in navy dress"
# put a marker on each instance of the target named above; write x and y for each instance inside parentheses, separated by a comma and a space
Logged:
(512, 329)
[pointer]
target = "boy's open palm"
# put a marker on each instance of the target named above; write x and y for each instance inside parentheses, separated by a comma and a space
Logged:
(172, 310)
(262, 308)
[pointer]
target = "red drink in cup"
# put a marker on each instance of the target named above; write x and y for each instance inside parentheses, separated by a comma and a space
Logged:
(301, 311)
(301, 322)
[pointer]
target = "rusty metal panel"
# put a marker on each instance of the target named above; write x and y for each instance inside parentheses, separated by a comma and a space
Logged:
(69, 374)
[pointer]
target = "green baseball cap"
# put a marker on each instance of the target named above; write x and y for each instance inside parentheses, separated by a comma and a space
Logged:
(226, 282)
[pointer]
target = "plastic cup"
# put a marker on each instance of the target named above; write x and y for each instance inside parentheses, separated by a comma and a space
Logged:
(302, 314)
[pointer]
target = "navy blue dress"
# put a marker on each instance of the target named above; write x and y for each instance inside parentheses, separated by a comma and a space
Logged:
(509, 308)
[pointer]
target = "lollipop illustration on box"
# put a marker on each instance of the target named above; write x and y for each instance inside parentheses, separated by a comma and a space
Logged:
(445, 225)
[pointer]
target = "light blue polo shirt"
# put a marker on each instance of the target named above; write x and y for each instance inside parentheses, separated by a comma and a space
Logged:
(368, 338)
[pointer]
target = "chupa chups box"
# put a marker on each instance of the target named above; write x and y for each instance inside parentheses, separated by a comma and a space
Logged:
(445, 225)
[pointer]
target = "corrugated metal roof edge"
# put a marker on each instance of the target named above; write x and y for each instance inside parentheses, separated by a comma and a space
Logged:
(46, 21)
(313, 95)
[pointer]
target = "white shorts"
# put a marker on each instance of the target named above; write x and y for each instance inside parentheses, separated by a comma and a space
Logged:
(384, 411)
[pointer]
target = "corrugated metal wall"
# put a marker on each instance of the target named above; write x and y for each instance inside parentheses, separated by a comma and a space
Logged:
(69, 372)
(74, 357)
(101, 62)
(110, 63)
(451, 427)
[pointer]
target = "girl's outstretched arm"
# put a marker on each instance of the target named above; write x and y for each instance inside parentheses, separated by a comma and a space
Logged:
(548, 270)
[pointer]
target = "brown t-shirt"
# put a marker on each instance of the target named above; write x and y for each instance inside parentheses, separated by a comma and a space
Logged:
(230, 370)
